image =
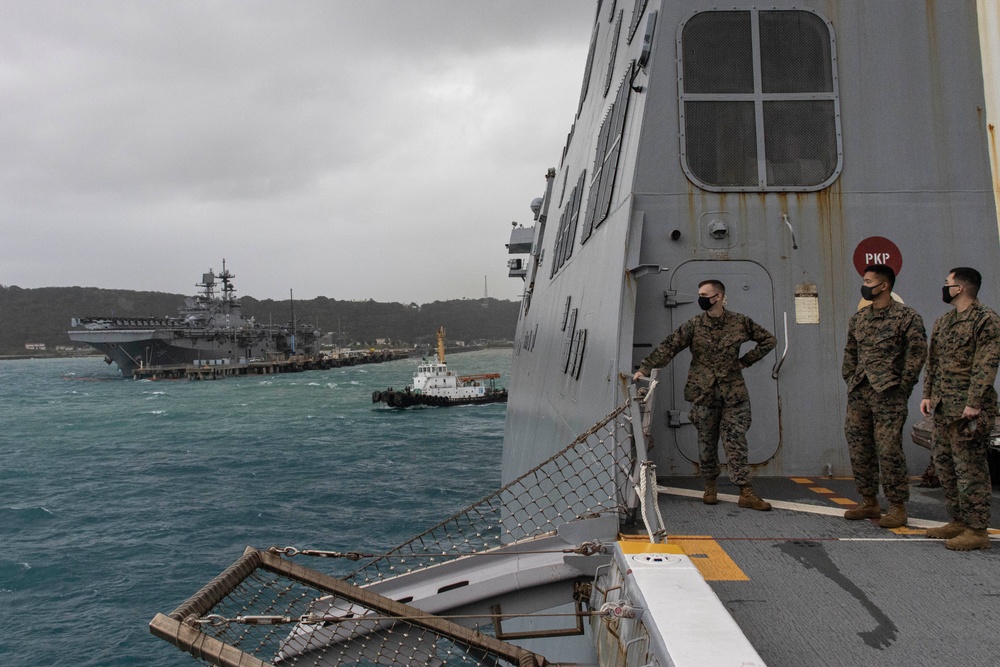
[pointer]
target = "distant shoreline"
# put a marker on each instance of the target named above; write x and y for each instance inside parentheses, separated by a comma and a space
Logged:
(429, 351)
(22, 357)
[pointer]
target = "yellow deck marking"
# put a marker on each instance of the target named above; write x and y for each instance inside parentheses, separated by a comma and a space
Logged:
(825, 492)
(711, 560)
(633, 537)
(632, 546)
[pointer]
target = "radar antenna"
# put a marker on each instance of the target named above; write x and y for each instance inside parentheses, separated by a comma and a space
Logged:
(227, 282)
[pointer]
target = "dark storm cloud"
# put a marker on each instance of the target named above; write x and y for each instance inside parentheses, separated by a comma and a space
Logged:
(305, 141)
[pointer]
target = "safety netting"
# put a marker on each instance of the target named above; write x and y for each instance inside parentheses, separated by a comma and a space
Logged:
(265, 609)
(590, 476)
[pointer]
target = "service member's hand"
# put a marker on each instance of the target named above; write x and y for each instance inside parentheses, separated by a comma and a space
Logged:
(638, 375)
(971, 413)
(925, 407)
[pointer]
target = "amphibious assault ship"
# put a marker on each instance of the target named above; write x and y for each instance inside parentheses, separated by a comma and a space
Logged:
(210, 328)
(777, 148)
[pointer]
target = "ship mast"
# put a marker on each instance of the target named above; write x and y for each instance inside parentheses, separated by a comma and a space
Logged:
(440, 335)
(227, 283)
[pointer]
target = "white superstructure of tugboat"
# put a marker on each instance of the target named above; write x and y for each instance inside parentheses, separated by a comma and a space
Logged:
(210, 328)
(434, 384)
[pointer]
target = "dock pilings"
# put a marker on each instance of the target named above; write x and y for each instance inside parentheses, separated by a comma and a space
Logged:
(219, 371)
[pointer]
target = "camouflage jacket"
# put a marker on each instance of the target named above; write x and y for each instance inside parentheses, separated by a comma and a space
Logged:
(962, 361)
(715, 352)
(887, 346)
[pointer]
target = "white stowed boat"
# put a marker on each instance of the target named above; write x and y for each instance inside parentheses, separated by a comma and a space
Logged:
(434, 384)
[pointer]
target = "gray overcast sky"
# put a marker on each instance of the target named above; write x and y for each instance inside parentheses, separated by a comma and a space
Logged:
(350, 149)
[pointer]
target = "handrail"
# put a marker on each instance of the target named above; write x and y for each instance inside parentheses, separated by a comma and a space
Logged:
(784, 353)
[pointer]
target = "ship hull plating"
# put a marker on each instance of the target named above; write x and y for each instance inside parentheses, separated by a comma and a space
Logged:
(782, 169)
(132, 350)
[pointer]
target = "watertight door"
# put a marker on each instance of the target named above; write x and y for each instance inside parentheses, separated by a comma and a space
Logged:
(749, 291)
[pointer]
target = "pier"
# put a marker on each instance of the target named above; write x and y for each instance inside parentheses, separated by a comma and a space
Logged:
(217, 369)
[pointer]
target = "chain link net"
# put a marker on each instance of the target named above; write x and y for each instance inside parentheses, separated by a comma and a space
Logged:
(590, 476)
(302, 629)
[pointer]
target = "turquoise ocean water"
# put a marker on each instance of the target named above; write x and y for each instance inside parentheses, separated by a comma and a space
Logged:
(120, 499)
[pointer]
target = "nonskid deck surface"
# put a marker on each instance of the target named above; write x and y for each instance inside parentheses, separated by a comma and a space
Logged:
(811, 588)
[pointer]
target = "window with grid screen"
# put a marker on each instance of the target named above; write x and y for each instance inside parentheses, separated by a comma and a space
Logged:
(759, 106)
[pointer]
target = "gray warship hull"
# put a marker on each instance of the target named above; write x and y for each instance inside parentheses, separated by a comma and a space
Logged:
(209, 329)
(141, 348)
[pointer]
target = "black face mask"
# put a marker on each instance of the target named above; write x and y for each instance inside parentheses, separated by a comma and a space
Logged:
(705, 302)
(867, 294)
(946, 293)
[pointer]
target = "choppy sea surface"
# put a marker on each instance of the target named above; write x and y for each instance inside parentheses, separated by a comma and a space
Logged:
(120, 499)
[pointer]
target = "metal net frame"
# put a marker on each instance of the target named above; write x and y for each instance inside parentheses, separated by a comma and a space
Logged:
(265, 610)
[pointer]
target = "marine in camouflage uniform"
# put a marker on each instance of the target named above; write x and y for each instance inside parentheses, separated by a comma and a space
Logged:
(961, 367)
(716, 389)
(886, 348)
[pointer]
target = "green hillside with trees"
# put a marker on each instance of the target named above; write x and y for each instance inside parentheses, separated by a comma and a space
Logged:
(43, 315)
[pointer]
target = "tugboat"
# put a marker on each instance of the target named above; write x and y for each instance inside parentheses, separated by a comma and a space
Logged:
(434, 384)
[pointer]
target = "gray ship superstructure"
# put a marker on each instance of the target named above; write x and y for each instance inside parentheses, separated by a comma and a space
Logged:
(210, 328)
(779, 149)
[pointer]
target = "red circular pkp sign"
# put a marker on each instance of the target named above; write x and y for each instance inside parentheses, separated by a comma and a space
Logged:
(877, 250)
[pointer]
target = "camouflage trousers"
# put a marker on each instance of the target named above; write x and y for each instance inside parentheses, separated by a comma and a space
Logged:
(874, 431)
(959, 455)
(722, 415)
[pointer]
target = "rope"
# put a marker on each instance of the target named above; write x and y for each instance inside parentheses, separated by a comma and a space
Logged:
(655, 532)
(649, 471)
(608, 610)
(585, 549)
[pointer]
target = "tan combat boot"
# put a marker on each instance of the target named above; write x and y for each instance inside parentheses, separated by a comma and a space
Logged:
(969, 539)
(868, 509)
(947, 531)
(751, 500)
(895, 517)
(711, 496)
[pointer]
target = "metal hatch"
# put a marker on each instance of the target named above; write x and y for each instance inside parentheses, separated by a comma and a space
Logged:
(749, 291)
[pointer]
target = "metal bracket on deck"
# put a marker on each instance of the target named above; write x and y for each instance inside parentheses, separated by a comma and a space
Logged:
(670, 299)
(581, 594)
(677, 418)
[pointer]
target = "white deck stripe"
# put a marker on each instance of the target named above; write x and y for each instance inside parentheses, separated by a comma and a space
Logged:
(793, 507)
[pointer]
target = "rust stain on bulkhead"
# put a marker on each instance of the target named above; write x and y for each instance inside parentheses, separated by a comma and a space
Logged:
(995, 169)
(830, 224)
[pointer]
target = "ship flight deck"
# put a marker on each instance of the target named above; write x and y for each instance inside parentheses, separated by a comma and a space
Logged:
(808, 587)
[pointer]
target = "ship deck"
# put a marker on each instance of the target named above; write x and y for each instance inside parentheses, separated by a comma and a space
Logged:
(811, 588)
